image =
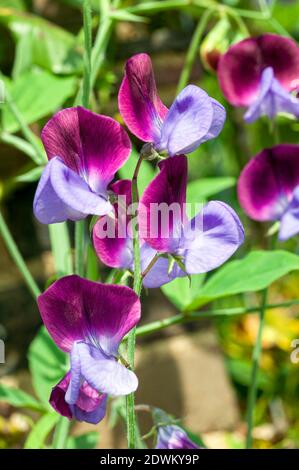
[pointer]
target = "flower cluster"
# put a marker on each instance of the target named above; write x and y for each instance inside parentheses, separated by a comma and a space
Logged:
(86, 319)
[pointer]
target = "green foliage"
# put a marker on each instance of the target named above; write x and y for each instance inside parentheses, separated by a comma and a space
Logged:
(203, 188)
(19, 399)
(254, 272)
(181, 292)
(84, 441)
(47, 365)
(40, 431)
(146, 173)
(37, 94)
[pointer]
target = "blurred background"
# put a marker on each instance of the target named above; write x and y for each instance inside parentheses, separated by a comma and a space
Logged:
(199, 372)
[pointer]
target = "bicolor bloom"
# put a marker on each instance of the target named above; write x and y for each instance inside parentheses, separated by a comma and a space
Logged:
(88, 321)
(174, 437)
(200, 244)
(260, 73)
(268, 188)
(113, 236)
(193, 118)
(85, 150)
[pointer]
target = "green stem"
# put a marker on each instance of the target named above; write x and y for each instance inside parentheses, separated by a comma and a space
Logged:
(182, 318)
(61, 433)
(79, 247)
(255, 368)
(17, 257)
(193, 49)
(137, 285)
(87, 53)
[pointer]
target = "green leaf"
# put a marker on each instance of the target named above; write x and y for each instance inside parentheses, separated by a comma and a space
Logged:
(30, 176)
(19, 399)
(146, 173)
(47, 365)
(179, 291)
(36, 94)
(61, 248)
(241, 371)
(84, 441)
(41, 43)
(124, 15)
(253, 273)
(40, 431)
(199, 190)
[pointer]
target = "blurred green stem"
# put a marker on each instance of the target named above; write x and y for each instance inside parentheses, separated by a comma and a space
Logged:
(188, 317)
(61, 433)
(137, 285)
(17, 257)
(193, 49)
(256, 356)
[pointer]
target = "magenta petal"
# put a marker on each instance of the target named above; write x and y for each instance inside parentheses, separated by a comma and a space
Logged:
(266, 183)
(57, 397)
(92, 145)
(282, 54)
(214, 235)
(187, 122)
(62, 194)
(111, 240)
(138, 100)
(239, 71)
(95, 415)
(73, 309)
(161, 209)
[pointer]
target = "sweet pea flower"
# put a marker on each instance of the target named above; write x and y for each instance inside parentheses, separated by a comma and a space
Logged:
(197, 245)
(113, 238)
(85, 150)
(268, 188)
(260, 73)
(88, 320)
(193, 118)
(174, 437)
(170, 436)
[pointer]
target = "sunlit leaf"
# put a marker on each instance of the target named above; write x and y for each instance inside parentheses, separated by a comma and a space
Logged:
(40, 431)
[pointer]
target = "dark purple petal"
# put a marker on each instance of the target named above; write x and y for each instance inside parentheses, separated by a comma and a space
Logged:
(138, 100)
(161, 210)
(239, 71)
(266, 184)
(57, 397)
(76, 309)
(272, 99)
(92, 145)
(187, 122)
(289, 224)
(213, 237)
(104, 373)
(240, 68)
(174, 437)
(282, 54)
(62, 194)
(111, 240)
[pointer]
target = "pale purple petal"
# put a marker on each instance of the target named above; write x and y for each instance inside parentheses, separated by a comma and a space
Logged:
(94, 416)
(92, 145)
(75, 309)
(161, 210)
(213, 237)
(138, 100)
(159, 275)
(62, 194)
(104, 373)
(272, 99)
(267, 182)
(219, 115)
(289, 224)
(187, 122)
(73, 390)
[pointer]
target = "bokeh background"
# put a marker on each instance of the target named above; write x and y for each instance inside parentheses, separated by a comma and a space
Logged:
(199, 372)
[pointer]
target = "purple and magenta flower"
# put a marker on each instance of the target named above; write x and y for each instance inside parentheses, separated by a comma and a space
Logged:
(261, 73)
(85, 150)
(195, 246)
(193, 118)
(268, 188)
(174, 437)
(88, 320)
